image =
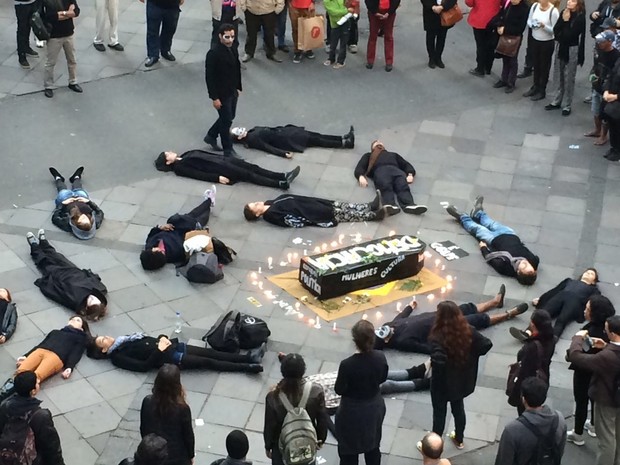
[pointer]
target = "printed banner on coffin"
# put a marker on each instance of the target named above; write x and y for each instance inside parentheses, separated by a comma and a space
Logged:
(448, 250)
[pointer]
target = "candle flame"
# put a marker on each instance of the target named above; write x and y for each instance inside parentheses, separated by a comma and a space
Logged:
(430, 297)
(364, 317)
(391, 233)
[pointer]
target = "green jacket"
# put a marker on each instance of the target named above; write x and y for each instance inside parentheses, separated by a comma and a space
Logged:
(335, 10)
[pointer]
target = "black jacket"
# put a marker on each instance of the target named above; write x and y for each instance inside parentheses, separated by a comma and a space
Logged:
(410, 334)
(452, 381)
(386, 159)
(223, 72)
(50, 10)
(612, 83)
(297, 211)
(605, 10)
(9, 320)
(431, 20)
(173, 240)
(373, 6)
(230, 461)
(47, 442)
(513, 18)
(142, 354)
(277, 140)
(68, 343)
(176, 428)
(580, 291)
(62, 214)
(207, 166)
(536, 353)
(512, 244)
(571, 33)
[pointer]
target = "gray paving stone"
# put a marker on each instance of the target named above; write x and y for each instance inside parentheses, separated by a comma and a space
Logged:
(438, 128)
(541, 141)
(93, 419)
(567, 205)
(226, 411)
(63, 398)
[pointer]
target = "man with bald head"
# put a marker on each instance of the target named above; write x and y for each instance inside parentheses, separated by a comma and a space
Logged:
(431, 448)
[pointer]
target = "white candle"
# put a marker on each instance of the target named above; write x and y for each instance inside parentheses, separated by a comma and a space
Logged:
(364, 317)
(449, 286)
(270, 262)
(443, 290)
(437, 262)
(317, 323)
(260, 285)
(260, 270)
(391, 233)
(253, 275)
(289, 257)
(398, 307)
(449, 278)
(430, 297)
(324, 246)
(340, 238)
(317, 249)
(334, 328)
(295, 256)
(378, 316)
(334, 244)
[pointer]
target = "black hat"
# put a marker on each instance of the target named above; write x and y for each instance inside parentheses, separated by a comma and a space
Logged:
(24, 383)
(160, 163)
(237, 444)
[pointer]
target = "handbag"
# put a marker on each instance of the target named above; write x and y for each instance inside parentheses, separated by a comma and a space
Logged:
(452, 16)
(508, 45)
(311, 32)
(40, 29)
(513, 383)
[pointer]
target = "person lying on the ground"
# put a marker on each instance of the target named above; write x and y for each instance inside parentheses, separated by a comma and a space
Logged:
(409, 333)
(500, 246)
(297, 211)
(75, 212)
(392, 175)
(8, 315)
(77, 289)
(566, 302)
(139, 352)
(283, 141)
(213, 167)
(164, 243)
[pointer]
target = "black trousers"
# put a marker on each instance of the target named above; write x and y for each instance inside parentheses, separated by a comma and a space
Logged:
(581, 383)
(202, 213)
(440, 410)
(339, 37)
(486, 41)
(353, 31)
(23, 13)
(528, 51)
(45, 256)
(392, 182)
(435, 43)
(221, 127)
(542, 55)
(241, 170)
(372, 457)
(316, 139)
(565, 308)
(614, 133)
(253, 24)
(205, 358)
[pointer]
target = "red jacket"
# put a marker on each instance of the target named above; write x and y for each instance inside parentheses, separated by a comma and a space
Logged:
(482, 11)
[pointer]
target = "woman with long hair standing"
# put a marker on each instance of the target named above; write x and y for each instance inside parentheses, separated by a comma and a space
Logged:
(166, 413)
(456, 348)
(359, 418)
(541, 20)
(570, 33)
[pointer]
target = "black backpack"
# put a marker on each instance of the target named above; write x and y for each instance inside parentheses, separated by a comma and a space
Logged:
(223, 252)
(17, 442)
(201, 268)
(224, 334)
(253, 332)
(547, 451)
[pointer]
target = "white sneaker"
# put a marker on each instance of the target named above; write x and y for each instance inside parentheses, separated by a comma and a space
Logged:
(40, 43)
(575, 438)
(210, 194)
(589, 427)
(353, 48)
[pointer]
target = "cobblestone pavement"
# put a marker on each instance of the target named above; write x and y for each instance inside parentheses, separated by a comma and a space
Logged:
(463, 137)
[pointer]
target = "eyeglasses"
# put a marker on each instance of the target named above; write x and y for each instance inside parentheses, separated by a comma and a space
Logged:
(228, 37)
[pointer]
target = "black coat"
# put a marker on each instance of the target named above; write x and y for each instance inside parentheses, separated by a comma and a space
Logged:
(142, 354)
(531, 360)
(512, 244)
(579, 292)
(62, 215)
(176, 428)
(46, 439)
(277, 140)
(513, 18)
(431, 20)
(451, 381)
(208, 166)
(173, 240)
(385, 160)
(373, 6)
(297, 211)
(9, 320)
(571, 33)
(68, 343)
(410, 334)
(223, 72)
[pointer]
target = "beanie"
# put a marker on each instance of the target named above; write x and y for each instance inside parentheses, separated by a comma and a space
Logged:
(237, 444)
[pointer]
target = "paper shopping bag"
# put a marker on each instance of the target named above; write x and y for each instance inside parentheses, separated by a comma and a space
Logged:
(310, 32)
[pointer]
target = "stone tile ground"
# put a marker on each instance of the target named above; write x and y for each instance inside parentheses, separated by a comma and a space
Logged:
(464, 140)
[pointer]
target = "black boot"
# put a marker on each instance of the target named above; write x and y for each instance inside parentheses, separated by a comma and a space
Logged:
(377, 202)
(291, 175)
(431, 63)
(77, 174)
(56, 174)
(7, 390)
(532, 90)
(348, 140)
(527, 72)
(438, 62)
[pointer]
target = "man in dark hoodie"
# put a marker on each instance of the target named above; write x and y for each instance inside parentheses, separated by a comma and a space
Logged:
(237, 447)
(77, 289)
(213, 167)
(520, 439)
(500, 246)
(392, 175)
(24, 403)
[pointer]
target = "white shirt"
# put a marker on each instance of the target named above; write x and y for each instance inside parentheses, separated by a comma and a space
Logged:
(547, 18)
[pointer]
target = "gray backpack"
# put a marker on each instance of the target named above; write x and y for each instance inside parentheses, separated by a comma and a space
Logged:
(298, 437)
(201, 268)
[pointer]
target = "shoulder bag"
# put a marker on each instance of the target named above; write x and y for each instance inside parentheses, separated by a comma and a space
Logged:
(513, 383)
(452, 16)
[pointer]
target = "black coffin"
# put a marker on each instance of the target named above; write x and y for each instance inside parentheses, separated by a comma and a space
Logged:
(360, 266)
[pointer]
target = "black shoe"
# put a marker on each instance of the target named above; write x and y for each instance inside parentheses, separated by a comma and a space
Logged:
(476, 72)
(284, 48)
(431, 63)
(349, 138)
(255, 368)
(565, 111)
(519, 334)
(499, 84)
(502, 293)
(291, 175)
(274, 58)
(477, 206)
(538, 96)
(168, 56)
(610, 153)
(150, 61)
(31, 53)
(212, 141)
(309, 55)
(117, 47)
(49, 93)
(389, 68)
(284, 185)
(518, 310)
(257, 354)
(56, 174)
(377, 202)
(99, 47)
(613, 155)
(23, 62)
(380, 214)
(551, 106)
(531, 91)
(76, 88)
(509, 89)
(297, 57)
(487, 71)
(415, 209)
(7, 389)
(527, 72)
(369, 65)
(454, 213)
(392, 210)
(439, 63)
(77, 174)
(233, 154)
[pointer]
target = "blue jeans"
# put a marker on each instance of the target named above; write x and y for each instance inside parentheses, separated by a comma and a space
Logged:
(483, 228)
(70, 193)
(161, 24)
(281, 26)
(222, 125)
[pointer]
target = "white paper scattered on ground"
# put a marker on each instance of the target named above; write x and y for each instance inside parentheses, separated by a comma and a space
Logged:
(199, 422)
(444, 204)
(320, 460)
